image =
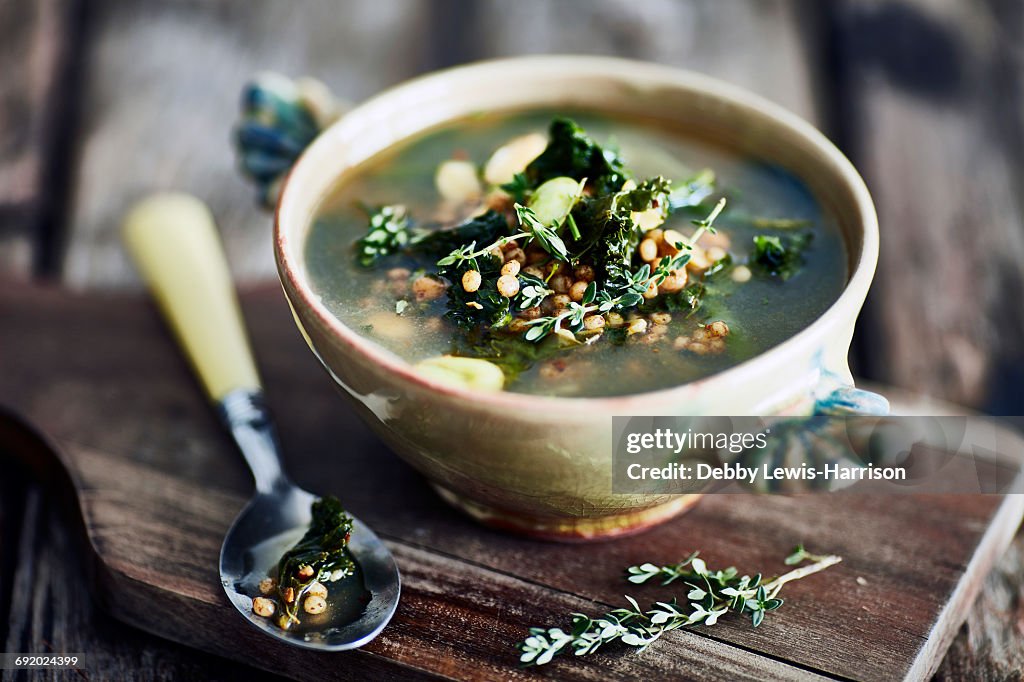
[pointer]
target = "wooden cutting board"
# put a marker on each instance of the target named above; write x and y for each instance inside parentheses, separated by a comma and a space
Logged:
(119, 424)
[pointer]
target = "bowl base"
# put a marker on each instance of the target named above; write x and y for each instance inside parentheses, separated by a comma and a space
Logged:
(569, 529)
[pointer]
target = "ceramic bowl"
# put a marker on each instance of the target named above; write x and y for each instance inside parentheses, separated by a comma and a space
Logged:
(542, 465)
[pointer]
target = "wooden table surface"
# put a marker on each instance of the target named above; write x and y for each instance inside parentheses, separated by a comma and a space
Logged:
(102, 101)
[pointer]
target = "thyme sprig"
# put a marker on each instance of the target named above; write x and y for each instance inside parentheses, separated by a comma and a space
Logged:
(710, 595)
(388, 233)
(544, 235)
(470, 252)
(630, 293)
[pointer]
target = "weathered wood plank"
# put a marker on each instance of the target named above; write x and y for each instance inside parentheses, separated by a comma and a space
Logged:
(161, 96)
(933, 113)
(456, 620)
(53, 612)
(12, 506)
(757, 44)
(34, 46)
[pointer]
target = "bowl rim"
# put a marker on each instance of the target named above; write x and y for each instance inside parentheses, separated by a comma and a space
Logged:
(846, 305)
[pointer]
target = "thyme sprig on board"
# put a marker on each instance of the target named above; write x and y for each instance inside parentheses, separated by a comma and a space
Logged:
(710, 595)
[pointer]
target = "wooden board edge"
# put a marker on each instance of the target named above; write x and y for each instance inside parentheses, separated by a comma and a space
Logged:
(996, 539)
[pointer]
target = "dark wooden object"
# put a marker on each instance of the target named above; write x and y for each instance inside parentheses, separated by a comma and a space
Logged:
(930, 105)
(157, 483)
(36, 54)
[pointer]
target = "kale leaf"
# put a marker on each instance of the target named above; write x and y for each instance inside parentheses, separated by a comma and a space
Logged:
(482, 229)
(780, 255)
(483, 307)
(510, 352)
(322, 548)
(607, 227)
(573, 153)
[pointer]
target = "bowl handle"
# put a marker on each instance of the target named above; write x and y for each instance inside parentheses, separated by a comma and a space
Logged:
(839, 398)
(280, 117)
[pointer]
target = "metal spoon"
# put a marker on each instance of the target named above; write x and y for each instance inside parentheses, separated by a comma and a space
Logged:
(173, 241)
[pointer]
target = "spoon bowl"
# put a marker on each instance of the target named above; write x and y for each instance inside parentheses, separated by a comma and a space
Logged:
(265, 529)
(174, 242)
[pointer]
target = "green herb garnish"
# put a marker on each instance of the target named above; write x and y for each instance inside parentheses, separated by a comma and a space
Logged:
(709, 596)
(519, 188)
(483, 229)
(780, 255)
(320, 556)
(511, 352)
(564, 253)
(573, 153)
(388, 233)
(623, 289)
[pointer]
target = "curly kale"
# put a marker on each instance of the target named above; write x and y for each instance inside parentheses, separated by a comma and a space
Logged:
(780, 255)
(608, 230)
(511, 352)
(482, 229)
(322, 548)
(483, 307)
(573, 153)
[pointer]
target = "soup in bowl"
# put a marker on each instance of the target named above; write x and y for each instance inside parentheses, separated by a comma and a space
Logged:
(494, 261)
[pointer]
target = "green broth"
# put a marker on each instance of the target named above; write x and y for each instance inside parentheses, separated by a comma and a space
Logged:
(761, 312)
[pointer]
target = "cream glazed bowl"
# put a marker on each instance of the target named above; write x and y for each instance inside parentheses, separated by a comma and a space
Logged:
(554, 477)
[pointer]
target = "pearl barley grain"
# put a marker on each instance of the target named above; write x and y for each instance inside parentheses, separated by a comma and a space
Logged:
(674, 283)
(508, 286)
(317, 589)
(661, 318)
(470, 281)
(584, 272)
(314, 605)
(648, 250)
(427, 288)
(637, 327)
(266, 586)
(561, 284)
(517, 256)
(262, 606)
(577, 290)
(741, 274)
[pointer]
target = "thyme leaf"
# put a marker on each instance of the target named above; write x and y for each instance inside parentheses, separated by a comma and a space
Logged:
(518, 188)
(544, 235)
